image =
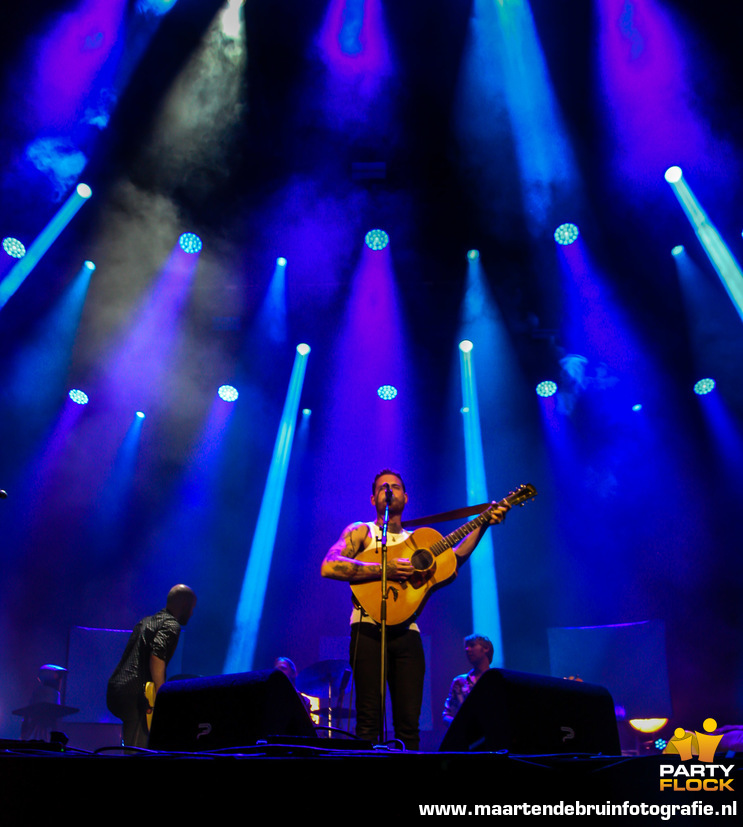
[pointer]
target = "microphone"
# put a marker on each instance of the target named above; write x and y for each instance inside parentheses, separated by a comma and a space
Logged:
(387, 492)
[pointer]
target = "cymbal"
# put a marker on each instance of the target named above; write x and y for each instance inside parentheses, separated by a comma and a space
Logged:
(45, 709)
(315, 679)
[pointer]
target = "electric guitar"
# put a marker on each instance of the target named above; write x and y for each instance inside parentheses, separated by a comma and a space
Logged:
(149, 693)
(433, 559)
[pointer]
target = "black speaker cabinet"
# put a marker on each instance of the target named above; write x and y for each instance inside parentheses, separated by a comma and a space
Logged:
(227, 711)
(533, 714)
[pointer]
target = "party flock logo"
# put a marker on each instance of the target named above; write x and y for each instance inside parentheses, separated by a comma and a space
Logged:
(704, 775)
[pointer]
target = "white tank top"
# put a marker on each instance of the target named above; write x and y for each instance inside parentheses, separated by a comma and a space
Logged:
(375, 536)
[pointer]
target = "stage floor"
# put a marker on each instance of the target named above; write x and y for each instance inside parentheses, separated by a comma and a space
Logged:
(297, 780)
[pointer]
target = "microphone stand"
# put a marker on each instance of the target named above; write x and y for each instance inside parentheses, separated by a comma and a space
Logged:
(383, 626)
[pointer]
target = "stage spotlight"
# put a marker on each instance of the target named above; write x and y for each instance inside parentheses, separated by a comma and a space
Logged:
(677, 250)
(718, 252)
(140, 415)
(306, 412)
(13, 247)
(704, 386)
(473, 255)
(648, 725)
(43, 241)
(303, 349)
(190, 243)
(281, 261)
(637, 407)
(387, 392)
(376, 239)
(255, 581)
(547, 388)
(89, 265)
(566, 234)
(228, 393)
(673, 175)
(78, 397)
(465, 346)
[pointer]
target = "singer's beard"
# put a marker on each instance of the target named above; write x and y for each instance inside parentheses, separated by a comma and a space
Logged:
(396, 505)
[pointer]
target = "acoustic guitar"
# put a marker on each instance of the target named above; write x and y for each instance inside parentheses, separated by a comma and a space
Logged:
(433, 559)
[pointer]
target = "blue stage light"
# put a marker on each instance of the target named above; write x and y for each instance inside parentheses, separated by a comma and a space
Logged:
(306, 412)
(303, 349)
(473, 255)
(253, 592)
(566, 234)
(387, 392)
(281, 261)
(190, 243)
(704, 386)
(547, 388)
(677, 250)
(13, 247)
(156, 7)
(43, 241)
(484, 586)
(673, 175)
(718, 252)
(228, 393)
(637, 407)
(140, 414)
(78, 397)
(376, 239)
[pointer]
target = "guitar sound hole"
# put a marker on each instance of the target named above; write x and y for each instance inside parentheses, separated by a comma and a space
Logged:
(422, 559)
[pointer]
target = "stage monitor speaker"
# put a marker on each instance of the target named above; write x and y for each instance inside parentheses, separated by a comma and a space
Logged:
(227, 711)
(533, 714)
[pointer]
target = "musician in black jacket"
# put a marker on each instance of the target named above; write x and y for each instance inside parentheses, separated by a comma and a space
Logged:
(405, 660)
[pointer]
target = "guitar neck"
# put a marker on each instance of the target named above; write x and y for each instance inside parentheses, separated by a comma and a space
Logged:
(452, 539)
(517, 497)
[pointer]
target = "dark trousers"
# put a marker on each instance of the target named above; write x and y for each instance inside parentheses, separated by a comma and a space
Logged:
(132, 709)
(405, 670)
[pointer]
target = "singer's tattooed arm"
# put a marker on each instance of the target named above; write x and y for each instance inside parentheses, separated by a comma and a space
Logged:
(339, 562)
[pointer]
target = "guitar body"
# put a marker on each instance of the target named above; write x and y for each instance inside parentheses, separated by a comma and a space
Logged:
(406, 599)
(149, 693)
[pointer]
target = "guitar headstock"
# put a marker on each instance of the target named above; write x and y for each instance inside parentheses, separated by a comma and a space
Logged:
(521, 495)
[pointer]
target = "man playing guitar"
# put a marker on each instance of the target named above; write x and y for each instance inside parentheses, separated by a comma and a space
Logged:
(149, 649)
(353, 558)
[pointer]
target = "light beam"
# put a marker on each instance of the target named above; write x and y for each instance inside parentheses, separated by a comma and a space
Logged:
(20, 270)
(250, 606)
(722, 259)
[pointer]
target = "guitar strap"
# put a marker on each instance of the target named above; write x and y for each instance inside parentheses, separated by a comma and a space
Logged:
(457, 514)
